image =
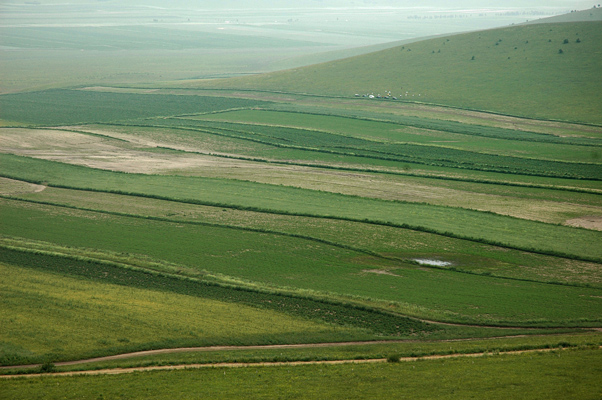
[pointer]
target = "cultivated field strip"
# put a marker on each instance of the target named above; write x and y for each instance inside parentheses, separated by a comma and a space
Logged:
(257, 258)
(180, 141)
(384, 242)
(464, 224)
(66, 107)
(437, 156)
(366, 124)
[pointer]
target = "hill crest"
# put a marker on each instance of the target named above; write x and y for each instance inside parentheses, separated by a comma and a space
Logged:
(548, 71)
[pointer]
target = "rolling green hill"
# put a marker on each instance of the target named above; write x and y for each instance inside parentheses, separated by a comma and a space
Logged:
(592, 14)
(548, 71)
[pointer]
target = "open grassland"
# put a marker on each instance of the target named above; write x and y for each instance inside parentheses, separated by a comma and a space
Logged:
(562, 86)
(87, 308)
(277, 260)
(55, 317)
(569, 374)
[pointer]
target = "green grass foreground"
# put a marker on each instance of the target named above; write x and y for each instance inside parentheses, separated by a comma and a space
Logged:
(345, 351)
(568, 374)
(51, 317)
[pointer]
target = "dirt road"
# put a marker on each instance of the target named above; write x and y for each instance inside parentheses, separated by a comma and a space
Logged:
(116, 371)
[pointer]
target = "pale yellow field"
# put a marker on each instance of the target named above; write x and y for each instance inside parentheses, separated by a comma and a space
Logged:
(47, 313)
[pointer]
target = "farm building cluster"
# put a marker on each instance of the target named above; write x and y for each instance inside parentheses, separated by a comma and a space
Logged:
(388, 96)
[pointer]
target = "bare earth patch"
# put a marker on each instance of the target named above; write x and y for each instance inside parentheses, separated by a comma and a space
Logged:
(589, 222)
(10, 187)
(104, 153)
(380, 272)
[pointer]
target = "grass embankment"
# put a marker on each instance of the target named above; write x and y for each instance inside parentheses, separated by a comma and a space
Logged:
(562, 86)
(258, 257)
(459, 223)
(570, 374)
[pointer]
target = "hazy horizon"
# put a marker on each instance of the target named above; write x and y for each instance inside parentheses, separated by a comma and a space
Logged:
(184, 39)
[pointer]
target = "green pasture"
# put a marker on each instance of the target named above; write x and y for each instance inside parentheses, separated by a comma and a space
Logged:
(56, 317)
(276, 260)
(569, 374)
(62, 106)
(70, 296)
(372, 239)
(561, 86)
(479, 226)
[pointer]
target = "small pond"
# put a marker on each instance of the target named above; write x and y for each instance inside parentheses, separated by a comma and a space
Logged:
(436, 263)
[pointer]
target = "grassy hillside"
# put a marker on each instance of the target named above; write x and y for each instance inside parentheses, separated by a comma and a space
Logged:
(592, 14)
(58, 316)
(517, 70)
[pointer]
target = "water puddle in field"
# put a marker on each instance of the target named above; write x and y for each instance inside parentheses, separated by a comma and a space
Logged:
(435, 263)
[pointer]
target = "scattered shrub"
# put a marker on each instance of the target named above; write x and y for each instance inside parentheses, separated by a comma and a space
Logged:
(394, 358)
(47, 367)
